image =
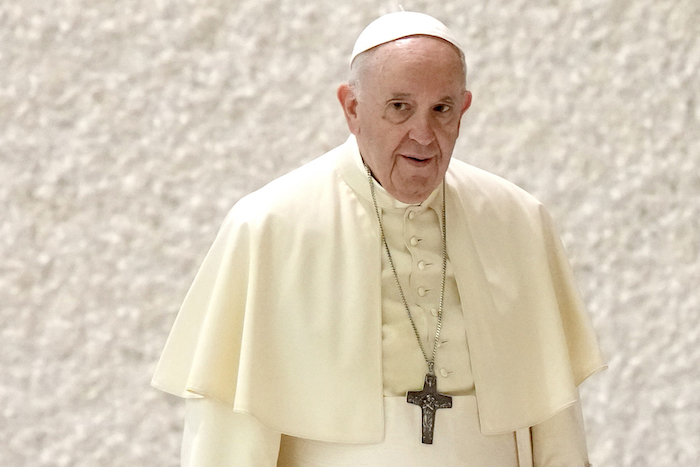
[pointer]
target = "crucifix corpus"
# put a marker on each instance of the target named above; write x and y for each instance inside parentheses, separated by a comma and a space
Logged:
(429, 401)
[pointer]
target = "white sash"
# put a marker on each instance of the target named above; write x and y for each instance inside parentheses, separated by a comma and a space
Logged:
(457, 442)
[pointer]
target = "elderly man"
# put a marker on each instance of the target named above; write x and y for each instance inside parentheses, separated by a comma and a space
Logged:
(384, 305)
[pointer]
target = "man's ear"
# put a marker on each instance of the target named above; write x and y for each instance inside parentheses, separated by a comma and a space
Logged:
(467, 101)
(348, 102)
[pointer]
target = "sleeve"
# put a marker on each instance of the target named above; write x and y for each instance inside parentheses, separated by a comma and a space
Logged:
(560, 441)
(216, 436)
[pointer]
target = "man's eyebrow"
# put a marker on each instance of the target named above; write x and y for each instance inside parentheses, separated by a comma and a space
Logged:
(405, 95)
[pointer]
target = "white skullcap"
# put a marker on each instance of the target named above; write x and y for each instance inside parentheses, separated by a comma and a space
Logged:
(394, 26)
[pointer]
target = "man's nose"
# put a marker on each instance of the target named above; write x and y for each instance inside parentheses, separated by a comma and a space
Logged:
(422, 130)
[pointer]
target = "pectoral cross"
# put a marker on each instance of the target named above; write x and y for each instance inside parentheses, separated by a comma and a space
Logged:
(429, 401)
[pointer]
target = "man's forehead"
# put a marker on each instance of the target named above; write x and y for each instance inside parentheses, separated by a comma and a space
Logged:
(399, 25)
(408, 66)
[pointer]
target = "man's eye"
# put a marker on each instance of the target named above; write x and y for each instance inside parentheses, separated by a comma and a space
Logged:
(400, 106)
(442, 108)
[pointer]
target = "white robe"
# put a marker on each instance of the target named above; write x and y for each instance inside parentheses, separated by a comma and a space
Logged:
(283, 320)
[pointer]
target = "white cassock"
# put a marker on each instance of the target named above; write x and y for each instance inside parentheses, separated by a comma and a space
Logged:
(294, 321)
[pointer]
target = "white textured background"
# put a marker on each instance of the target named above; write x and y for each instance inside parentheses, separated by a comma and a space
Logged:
(128, 129)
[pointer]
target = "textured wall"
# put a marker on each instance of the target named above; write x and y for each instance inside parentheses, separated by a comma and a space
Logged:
(127, 130)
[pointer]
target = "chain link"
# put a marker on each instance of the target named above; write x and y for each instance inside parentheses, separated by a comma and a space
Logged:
(429, 361)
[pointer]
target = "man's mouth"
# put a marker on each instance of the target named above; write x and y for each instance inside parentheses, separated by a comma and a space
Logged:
(417, 159)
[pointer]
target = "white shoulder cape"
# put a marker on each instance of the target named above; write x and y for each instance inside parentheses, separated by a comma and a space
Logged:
(283, 320)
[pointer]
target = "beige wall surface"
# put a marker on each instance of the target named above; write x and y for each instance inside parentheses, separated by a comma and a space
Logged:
(129, 128)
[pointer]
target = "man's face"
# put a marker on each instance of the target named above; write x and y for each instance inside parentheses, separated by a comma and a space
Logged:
(407, 115)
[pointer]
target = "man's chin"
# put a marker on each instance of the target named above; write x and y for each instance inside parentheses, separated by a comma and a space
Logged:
(416, 191)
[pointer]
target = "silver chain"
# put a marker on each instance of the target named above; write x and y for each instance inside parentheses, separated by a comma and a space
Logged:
(429, 361)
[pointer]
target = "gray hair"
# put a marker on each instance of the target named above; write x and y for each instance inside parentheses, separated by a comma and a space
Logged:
(361, 63)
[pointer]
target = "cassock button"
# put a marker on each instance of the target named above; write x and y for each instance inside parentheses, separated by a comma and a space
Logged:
(433, 311)
(422, 291)
(412, 214)
(444, 373)
(414, 241)
(421, 265)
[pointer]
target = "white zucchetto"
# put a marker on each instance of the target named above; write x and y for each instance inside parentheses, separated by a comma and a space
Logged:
(393, 26)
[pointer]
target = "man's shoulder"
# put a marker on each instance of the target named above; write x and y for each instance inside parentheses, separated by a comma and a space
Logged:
(472, 182)
(292, 192)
